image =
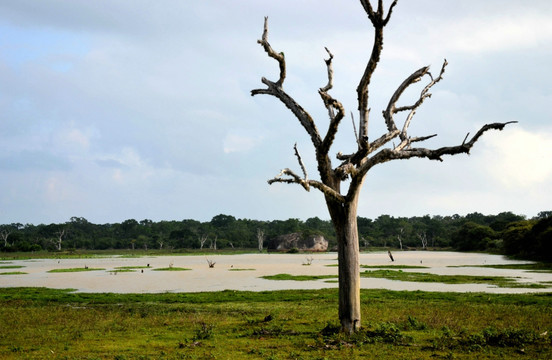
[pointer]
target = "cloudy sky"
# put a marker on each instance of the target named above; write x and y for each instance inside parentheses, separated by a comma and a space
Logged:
(120, 109)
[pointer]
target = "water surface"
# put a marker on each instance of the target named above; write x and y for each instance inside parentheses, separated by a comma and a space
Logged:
(226, 275)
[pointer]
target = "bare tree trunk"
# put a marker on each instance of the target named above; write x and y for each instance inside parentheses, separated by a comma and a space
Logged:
(202, 241)
(5, 234)
(400, 239)
(260, 239)
(423, 238)
(60, 234)
(344, 219)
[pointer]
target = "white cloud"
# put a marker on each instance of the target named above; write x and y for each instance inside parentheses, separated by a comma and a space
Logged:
(73, 139)
(498, 34)
(457, 30)
(520, 158)
(153, 101)
(57, 189)
(240, 143)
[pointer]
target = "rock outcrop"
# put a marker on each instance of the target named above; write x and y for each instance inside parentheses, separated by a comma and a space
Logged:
(298, 241)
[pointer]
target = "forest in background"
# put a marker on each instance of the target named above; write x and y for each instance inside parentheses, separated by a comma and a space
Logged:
(505, 233)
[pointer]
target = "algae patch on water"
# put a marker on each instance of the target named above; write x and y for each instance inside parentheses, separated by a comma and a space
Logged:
(74, 270)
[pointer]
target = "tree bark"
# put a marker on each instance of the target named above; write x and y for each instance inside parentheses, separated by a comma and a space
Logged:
(344, 218)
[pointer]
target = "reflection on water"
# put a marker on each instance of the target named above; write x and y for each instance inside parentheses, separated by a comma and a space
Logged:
(203, 278)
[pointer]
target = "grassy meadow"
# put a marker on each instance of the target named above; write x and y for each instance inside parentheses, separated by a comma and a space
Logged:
(39, 323)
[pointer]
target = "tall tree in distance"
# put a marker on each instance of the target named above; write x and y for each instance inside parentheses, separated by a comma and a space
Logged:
(342, 204)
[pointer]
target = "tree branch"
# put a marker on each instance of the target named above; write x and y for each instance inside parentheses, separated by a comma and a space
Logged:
(275, 89)
(391, 106)
(306, 184)
(355, 130)
(332, 105)
(386, 155)
(423, 95)
(277, 56)
(300, 162)
(378, 22)
(329, 67)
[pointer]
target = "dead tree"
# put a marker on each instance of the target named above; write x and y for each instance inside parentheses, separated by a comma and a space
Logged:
(399, 237)
(423, 238)
(370, 150)
(59, 234)
(213, 244)
(202, 240)
(260, 239)
(5, 234)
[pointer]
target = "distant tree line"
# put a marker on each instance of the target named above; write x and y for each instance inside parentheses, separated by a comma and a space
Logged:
(506, 233)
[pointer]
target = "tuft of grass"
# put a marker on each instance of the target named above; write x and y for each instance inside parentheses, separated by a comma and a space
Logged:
(509, 337)
(13, 273)
(132, 267)
(298, 277)
(533, 267)
(11, 267)
(204, 332)
(449, 279)
(172, 268)
(418, 277)
(393, 267)
(386, 266)
(237, 269)
(81, 269)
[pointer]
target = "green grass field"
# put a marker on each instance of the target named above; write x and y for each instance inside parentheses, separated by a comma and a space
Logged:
(41, 323)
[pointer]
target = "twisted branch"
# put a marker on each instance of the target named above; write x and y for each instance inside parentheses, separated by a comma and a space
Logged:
(306, 184)
(386, 155)
(277, 56)
(275, 89)
(301, 163)
(378, 22)
(332, 105)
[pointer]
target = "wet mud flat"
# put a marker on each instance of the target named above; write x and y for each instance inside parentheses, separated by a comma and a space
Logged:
(244, 272)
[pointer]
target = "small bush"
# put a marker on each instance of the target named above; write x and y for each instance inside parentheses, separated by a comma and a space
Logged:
(385, 332)
(204, 332)
(509, 337)
(414, 324)
(331, 329)
(488, 337)
(382, 333)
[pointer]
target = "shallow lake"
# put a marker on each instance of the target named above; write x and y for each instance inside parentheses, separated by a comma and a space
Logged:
(243, 272)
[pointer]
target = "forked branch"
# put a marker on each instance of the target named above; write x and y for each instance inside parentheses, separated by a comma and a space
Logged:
(273, 54)
(275, 89)
(378, 21)
(293, 178)
(431, 154)
(332, 105)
